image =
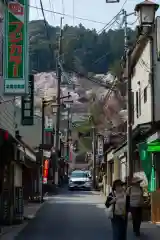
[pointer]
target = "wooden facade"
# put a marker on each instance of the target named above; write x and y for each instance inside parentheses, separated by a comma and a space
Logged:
(155, 206)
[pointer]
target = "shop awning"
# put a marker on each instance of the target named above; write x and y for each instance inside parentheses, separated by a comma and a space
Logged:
(121, 150)
(28, 153)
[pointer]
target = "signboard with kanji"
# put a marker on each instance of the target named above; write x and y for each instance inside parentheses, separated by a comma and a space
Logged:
(15, 48)
(27, 104)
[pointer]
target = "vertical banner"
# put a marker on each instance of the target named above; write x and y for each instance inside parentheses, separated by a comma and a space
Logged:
(48, 123)
(15, 48)
(100, 148)
(45, 171)
(27, 104)
(48, 130)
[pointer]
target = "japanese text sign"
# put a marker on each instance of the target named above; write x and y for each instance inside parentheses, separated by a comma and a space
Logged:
(27, 105)
(15, 60)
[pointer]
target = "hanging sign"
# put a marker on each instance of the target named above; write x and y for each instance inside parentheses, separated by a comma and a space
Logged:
(100, 143)
(48, 124)
(27, 104)
(15, 48)
(45, 171)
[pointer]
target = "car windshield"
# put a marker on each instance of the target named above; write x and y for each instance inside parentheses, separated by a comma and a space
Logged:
(78, 175)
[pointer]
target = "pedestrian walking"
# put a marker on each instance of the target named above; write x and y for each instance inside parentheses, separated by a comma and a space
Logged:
(117, 204)
(135, 193)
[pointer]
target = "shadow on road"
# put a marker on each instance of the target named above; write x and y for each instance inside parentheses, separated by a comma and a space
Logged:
(78, 192)
(70, 221)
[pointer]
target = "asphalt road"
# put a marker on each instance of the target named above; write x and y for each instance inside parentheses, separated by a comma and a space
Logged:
(71, 216)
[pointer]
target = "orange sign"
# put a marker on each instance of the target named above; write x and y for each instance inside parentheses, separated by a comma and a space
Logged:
(45, 169)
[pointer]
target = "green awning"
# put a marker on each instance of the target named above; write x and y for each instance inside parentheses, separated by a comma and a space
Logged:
(146, 158)
(153, 146)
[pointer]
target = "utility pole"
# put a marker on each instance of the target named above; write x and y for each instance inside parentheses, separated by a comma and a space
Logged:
(129, 121)
(68, 127)
(94, 156)
(127, 52)
(59, 74)
(42, 148)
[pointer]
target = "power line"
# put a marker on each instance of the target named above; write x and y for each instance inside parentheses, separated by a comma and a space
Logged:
(47, 32)
(113, 19)
(67, 15)
(106, 26)
(52, 7)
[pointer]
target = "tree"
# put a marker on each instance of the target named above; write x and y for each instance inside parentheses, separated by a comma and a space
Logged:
(84, 50)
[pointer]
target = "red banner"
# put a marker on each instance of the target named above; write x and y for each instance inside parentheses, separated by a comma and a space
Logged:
(45, 169)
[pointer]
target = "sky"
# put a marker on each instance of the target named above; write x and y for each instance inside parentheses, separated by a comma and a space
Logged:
(96, 10)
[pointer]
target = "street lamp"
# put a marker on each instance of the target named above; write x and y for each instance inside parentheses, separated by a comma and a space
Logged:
(146, 12)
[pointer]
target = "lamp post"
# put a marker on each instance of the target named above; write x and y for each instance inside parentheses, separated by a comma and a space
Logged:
(146, 12)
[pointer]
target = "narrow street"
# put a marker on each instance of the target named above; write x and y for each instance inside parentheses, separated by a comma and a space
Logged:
(75, 216)
(69, 216)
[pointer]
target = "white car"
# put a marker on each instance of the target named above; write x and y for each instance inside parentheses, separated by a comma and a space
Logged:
(79, 180)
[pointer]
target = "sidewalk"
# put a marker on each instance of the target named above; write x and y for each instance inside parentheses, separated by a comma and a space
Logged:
(149, 230)
(30, 211)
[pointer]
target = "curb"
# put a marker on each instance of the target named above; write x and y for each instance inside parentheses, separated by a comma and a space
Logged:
(21, 226)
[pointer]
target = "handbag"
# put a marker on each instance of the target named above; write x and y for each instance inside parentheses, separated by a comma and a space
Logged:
(109, 211)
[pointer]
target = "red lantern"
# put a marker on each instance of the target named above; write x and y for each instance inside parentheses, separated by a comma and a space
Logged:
(6, 135)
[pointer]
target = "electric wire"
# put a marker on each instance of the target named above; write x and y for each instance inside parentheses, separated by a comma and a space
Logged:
(114, 18)
(110, 23)
(107, 26)
(131, 24)
(37, 9)
(52, 7)
(47, 32)
(68, 15)
(91, 79)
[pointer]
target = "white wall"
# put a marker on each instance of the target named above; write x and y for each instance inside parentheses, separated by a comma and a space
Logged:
(140, 81)
(156, 83)
(123, 170)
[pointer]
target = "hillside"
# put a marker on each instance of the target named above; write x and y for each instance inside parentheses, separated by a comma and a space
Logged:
(85, 53)
(84, 50)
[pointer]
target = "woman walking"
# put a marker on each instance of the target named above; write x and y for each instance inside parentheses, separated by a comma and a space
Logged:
(135, 193)
(120, 205)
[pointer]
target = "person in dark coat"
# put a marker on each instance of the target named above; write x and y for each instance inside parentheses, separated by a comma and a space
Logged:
(135, 193)
(120, 202)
